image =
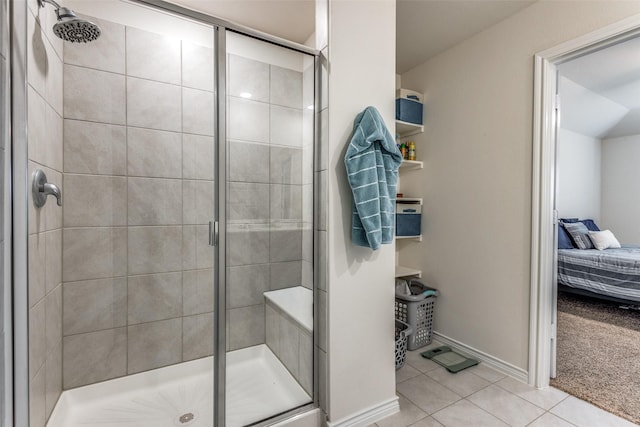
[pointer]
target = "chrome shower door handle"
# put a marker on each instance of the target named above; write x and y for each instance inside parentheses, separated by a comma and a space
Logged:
(40, 189)
(213, 233)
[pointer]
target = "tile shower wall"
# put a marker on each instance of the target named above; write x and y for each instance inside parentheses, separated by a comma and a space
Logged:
(137, 270)
(44, 115)
(270, 198)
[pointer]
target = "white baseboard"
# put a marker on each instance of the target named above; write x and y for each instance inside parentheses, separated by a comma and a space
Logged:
(368, 416)
(497, 364)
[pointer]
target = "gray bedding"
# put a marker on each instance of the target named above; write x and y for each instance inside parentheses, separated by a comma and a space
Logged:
(611, 272)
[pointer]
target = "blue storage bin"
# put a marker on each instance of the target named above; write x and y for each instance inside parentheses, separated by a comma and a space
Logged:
(408, 219)
(409, 110)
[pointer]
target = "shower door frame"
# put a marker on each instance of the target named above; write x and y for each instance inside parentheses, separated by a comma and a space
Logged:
(19, 398)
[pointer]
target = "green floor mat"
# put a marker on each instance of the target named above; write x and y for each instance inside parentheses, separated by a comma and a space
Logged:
(448, 358)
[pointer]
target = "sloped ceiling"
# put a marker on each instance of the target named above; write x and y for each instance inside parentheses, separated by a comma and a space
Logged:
(601, 93)
(425, 28)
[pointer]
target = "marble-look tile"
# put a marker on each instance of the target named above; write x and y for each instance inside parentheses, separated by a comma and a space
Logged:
(247, 162)
(247, 244)
(197, 111)
(54, 80)
(51, 211)
(289, 345)
(93, 357)
(154, 249)
(463, 383)
(247, 76)
(427, 394)
(53, 378)
(37, 59)
(489, 374)
(305, 362)
(189, 261)
(36, 126)
(197, 202)
(246, 285)
(95, 201)
(197, 292)
(154, 201)
(286, 87)
(307, 204)
(94, 305)
(406, 372)
(427, 422)
(204, 252)
(53, 144)
(198, 157)
(420, 363)
(285, 126)
(549, 420)
(307, 274)
(243, 112)
(246, 326)
(409, 413)
(37, 337)
(545, 398)
(154, 297)
(464, 413)
(37, 267)
(584, 414)
(94, 148)
(153, 345)
(153, 56)
(154, 153)
(272, 329)
(53, 319)
(508, 407)
(106, 53)
(248, 202)
(94, 95)
(197, 66)
(285, 202)
(285, 274)
(53, 259)
(94, 253)
(154, 105)
(198, 336)
(285, 165)
(37, 399)
(285, 243)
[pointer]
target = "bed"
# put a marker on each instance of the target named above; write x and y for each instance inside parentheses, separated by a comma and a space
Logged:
(612, 274)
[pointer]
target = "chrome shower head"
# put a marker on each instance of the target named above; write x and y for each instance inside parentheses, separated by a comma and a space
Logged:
(71, 28)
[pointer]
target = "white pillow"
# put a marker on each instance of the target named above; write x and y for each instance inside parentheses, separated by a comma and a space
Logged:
(603, 239)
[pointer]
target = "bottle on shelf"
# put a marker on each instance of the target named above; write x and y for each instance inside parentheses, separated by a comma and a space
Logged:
(411, 155)
(403, 150)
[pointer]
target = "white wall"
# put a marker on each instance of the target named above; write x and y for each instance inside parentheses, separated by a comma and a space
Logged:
(578, 179)
(476, 182)
(360, 281)
(620, 209)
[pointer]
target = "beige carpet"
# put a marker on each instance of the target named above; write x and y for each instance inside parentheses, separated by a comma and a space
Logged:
(599, 354)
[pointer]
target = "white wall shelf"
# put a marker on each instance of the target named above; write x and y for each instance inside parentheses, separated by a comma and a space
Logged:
(416, 238)
(417, 200)
(402, 271)
(411, 164)
(405, 129)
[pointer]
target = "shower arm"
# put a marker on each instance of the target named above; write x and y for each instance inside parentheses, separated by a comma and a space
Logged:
(52, 2)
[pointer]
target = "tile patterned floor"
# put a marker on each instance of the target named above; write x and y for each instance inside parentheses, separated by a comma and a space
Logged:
(482, 397)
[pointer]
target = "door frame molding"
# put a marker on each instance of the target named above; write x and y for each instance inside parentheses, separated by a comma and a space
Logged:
(542, 309)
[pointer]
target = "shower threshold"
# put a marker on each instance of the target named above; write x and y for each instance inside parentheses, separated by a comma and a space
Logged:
(258, 387)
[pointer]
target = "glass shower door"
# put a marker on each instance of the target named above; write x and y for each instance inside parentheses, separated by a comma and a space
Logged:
(269, 230)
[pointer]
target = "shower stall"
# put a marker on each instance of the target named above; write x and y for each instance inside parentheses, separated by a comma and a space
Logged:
(164, 207)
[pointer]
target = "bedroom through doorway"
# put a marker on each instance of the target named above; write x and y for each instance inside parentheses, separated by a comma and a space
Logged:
(596, 285)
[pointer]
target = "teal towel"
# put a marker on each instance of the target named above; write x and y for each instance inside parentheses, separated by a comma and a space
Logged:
(372, 162)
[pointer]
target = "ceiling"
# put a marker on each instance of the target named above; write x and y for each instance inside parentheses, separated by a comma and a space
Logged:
(424, 27)
(600, 92)
(292, 20)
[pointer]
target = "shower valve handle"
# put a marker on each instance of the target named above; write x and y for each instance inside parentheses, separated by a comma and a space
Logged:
(40, 189)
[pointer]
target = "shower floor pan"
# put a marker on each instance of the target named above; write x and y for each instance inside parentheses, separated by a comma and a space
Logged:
(258, 387)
